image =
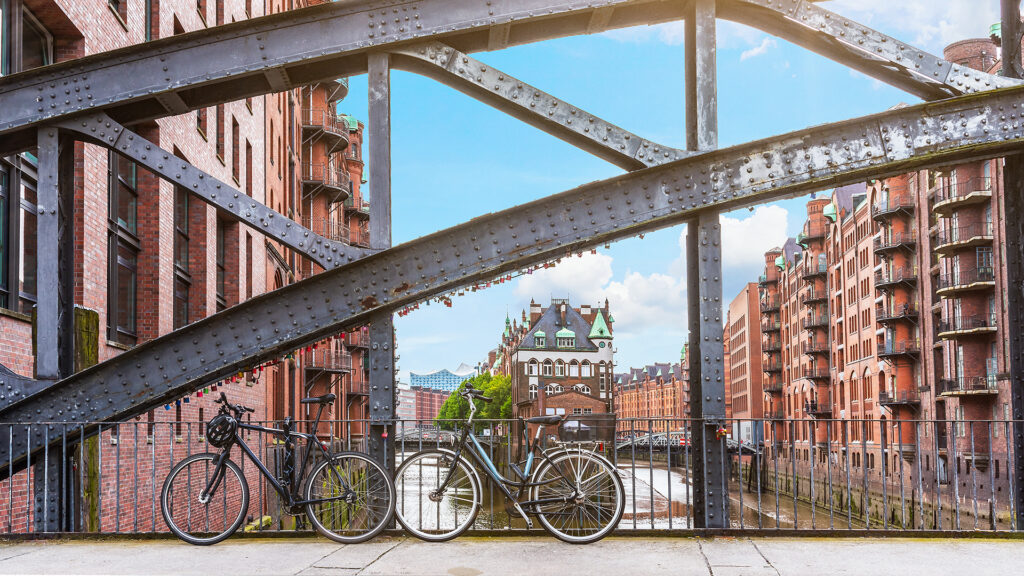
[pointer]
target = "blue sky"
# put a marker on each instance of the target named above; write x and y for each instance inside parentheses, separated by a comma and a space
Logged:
(455, 158)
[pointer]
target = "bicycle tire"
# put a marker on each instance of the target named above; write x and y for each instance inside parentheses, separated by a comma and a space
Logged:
(346, 513)
(405, 491)
(608, 474)
(166, 500)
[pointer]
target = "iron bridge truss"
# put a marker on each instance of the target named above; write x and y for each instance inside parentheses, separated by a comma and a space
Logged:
(967, 115)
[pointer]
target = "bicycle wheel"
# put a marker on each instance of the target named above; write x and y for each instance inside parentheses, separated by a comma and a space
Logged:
(195, 521)
(423, 509)
(359, 513)
(593, 492)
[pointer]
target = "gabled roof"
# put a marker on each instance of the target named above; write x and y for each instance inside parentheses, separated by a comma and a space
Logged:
(550, 322)
(600, 327)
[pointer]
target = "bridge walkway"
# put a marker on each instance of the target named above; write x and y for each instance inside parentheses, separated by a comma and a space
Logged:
(514, 556)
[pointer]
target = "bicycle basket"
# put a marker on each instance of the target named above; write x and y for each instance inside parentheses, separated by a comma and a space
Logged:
(220, 431)
(587, 428)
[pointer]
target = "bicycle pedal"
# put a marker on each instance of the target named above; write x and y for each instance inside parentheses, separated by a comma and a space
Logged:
(519, 509)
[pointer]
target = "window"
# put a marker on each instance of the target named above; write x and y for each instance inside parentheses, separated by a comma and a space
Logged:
(201, 122)
(220, 121)
(248, 265)
(559, 368)
(4, 227)
(182, 280)
(27, 252)
(566, 342)
(236, 158)
(248, 168)
(222, 301)
(577, 411)
(533, 391)
(574, 369)
(120, 7)
(546, 369)
(582, 388)
(531, 368)
(123, 249)
(585, 369)
(36, 44)
(554, 388)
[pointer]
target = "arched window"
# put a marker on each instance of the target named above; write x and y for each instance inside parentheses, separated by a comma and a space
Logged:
(585, 369)
(533, 391)
(532, 367)
(582, 388)
(574, 369)
(546, 370)
(559, 368)
(554, 388)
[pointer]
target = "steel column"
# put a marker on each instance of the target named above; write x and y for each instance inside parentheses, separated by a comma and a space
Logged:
(1013, 205)
(382, 331)
(704, 282)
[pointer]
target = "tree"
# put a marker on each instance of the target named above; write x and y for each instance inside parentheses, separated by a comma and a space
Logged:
(499, 388)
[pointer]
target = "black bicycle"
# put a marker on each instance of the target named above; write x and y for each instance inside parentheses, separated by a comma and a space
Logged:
(347, 496)
(574, 492)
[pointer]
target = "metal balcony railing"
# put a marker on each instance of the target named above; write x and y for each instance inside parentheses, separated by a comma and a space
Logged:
(357, 385)
(906, 311)
(961, 192)
(814, 373)
(903, 274)
(899, 398)
(969, 385)
(895, 240)
(329, 360)
(966, 324)
(361, 207)
(969, 235)
(812, 233)
(816, 321)
(771, 326)
(772, 345)
(896, 202)
(773, 386)
(813, 296)
(765, 279)
(357, 339)
(774, 365)
(771, 304)
(818, 408)
(330, 229)
(905, 348)
(812, 271)
(360, 237)
(967, 279)
(815, 346)
(327, 176)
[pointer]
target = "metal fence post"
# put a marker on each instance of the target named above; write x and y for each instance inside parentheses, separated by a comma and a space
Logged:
(1013, 198)
(382, 332)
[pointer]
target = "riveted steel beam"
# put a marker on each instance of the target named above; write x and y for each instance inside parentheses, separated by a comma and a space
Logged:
(258, 56)
(102, 130)
(272, 324)
(533, 106)
(861, 48)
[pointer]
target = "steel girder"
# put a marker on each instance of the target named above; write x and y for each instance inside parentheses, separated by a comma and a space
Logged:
(103, 130)
(533, 106)
(965, 128)
(273, 53)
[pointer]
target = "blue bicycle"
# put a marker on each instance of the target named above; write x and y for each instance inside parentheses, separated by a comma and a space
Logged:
(574, 492)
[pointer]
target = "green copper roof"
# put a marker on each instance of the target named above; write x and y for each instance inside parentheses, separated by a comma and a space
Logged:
(539, 333)
(353, 124)
(781, 262)
(830, 211)
(682, 352)
(800, 239)
(565, 333)
(599, 329)
(996, 30)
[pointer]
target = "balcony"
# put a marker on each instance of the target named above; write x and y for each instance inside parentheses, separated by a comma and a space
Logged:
(815, 374)
(330, 229)
(969, 386)
(909, 349)
(360, 208)
(818, 409)
(357, 385)
(895, 241)
(950, 196)
(769, 326)
(772, 345)
(360, 237)
(906, 275)
(814, 271)
(775, 414)
(813, 347)
(966, 326)
(773, 386)
(771, 304)
(969, 236)
(983, 278)
(326, 125)
(901, 313)
(772, 366)
(811, 234)
(816, 321)
(814, 296)
(325, 179)
(329, 361)
(357, 339)
(767, 279)
(337, 90)
(896, 203)
(899, 398)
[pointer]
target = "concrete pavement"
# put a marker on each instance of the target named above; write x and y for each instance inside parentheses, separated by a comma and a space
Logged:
(517, 556)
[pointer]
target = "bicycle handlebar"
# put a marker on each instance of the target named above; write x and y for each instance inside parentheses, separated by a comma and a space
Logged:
(237, 408)
(470, 392)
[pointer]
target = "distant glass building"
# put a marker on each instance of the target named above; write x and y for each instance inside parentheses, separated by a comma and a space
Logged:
(444, 379)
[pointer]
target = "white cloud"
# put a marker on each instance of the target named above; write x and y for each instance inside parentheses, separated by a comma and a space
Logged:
(729, 34)
(927, 24)
(745, 240)
(581, 279)
(766, 44)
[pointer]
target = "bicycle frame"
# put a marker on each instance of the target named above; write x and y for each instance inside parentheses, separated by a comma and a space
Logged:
(482, 460)
(286, 492)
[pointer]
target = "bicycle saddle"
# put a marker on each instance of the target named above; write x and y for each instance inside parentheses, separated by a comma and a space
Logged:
(325, 399)
(544, 419)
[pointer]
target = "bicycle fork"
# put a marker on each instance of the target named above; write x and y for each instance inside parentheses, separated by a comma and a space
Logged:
(218, 474)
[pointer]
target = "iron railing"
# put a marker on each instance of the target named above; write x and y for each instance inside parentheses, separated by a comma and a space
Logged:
(985, 383)
(326, 175)
(894, 203)
(967, 278)
(328, 228)
(902, 274)
(894, 240)
(781, 473)
(958, 190)
(329, 360)
(979, 232)
(979, 322)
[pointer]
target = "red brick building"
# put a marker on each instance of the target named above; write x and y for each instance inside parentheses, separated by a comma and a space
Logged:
(744, 361)
(151, 258)
(657, 392)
